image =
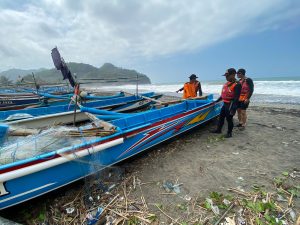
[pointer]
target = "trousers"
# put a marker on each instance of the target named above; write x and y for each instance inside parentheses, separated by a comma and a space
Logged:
(225, 113)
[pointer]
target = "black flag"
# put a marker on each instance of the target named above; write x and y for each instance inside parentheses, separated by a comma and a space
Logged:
(60, 64)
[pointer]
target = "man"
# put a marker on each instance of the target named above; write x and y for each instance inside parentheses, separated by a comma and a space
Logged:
(230, 96)
(244, 100)
(191, 88)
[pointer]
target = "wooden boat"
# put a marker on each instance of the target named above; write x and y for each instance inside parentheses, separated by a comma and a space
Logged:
(19, 101)
(13, 102)
(58, 161)
(64, 114)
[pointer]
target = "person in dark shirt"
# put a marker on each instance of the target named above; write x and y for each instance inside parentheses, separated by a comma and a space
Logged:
(230, 96)
(244, 99)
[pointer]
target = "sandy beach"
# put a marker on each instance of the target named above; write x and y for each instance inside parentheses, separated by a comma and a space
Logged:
(202, 162)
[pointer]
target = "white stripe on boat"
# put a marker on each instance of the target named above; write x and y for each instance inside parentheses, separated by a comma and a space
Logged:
(57, 161)
(26, 192)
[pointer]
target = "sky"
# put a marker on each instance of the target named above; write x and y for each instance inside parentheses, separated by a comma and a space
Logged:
(166, 40)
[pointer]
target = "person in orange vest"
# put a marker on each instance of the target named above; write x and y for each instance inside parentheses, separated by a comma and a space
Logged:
(230, 95)
(191, 88)
(244, 100)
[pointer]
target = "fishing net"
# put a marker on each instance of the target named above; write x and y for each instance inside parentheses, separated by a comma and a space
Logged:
(18, 148)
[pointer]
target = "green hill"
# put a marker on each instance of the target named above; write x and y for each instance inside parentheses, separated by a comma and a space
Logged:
(14, 74)
(108, 73)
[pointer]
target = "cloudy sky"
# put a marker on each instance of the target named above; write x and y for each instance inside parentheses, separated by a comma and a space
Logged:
(167, 40)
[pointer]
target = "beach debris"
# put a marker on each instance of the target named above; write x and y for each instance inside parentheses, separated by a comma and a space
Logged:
(70, 210)
(295, 174)
(213, 207)
(235, 153)
(280, 198)
(292, 214)
(226, 202)
(93, 217)
(169, 187)
(240, 179)
(187, 198)
(229, 221)
(241, 221)
(111, 187)
(126, 205)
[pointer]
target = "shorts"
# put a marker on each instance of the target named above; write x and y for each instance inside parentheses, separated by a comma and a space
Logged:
(242, 105)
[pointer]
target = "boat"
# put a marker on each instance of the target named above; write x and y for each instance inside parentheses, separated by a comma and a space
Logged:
(7, 103)
(60, 160)
(64, 114)
(20, 101)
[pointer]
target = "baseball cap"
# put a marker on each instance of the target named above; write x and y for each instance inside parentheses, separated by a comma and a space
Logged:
(193, 76)
(242, 71)
(229, 72)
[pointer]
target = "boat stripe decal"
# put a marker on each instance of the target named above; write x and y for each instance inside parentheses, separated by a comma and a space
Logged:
(25, 193)
(148, 136)
(153, 134)
(167, 120)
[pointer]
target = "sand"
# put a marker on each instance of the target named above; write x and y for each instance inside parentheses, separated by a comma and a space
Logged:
(203, 162)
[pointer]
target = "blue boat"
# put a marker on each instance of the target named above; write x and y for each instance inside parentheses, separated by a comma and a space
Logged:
(24, 177)
(64, 114)
(17, 101)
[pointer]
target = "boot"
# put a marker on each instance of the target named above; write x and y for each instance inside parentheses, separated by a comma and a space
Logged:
(228, 135)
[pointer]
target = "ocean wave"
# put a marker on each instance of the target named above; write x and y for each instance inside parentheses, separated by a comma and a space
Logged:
(269, 91)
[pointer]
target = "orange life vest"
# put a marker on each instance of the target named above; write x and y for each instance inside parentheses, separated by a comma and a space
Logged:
(190, 89)
(245, 90)
(228, 91)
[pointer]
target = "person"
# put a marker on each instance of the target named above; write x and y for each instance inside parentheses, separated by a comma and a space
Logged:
(230, 95)
(191, 88)
(244, 100)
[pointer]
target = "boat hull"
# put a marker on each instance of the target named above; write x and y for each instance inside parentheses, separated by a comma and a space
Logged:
(49, 172)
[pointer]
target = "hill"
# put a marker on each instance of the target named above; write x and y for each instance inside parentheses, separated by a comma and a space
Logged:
(108, 73)
(13, 74)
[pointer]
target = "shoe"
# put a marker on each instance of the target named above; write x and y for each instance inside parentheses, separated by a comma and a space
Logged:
(228, 135)
(242, 128)
(239, 125)
(216, 131)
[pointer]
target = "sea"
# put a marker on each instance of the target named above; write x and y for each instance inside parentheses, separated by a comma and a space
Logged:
(277, 90)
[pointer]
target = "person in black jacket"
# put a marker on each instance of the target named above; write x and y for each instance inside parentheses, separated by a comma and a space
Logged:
(244, 99)
(230, 95)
